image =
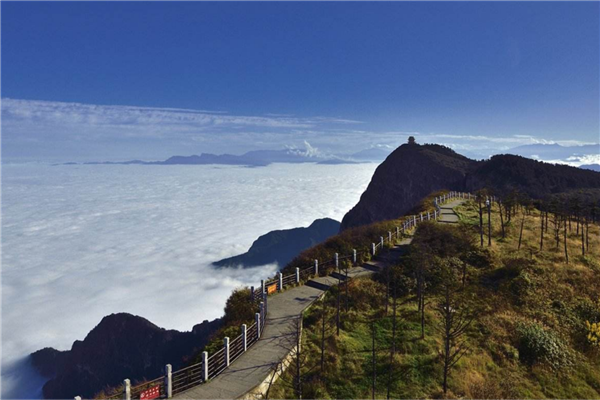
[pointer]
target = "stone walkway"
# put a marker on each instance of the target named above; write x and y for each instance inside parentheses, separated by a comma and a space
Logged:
(251, 369)
(248, 376)
(448, 216)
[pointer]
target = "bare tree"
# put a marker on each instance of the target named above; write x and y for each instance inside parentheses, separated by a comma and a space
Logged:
(299, 363)
(521, 231)
(501, 218)
(541, 233)
(374, 360)
(565, 239)
(323, 332)
(393, 344)
(479, 199)
(455, 320)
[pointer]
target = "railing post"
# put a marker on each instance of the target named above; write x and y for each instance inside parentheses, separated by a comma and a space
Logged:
(77, 398)
(397, 232)
(297, 275)
(280, 281)
(226, 352)
(316, 267)
(245, 336)
(265, 296)
(168, 381)
(262, 284)
(205, 366)
(390, 236)
(252, 293)
(262, 309)
(373, 245)
(127, 389)
(381, 241)
(337, 260)
(414, 220)
(421, 217)
(257, 320)
(354, 256)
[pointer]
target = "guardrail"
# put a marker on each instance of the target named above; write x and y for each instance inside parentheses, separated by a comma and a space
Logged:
(185, 378)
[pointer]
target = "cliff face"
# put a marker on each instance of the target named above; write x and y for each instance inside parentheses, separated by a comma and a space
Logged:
(407, 175)
(413, 171)
(120, 346)
(283, 245)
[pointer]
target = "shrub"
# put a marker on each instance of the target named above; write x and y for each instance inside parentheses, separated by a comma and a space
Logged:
(539, 345)
(593, 335)
(238, 308)
(521, 285)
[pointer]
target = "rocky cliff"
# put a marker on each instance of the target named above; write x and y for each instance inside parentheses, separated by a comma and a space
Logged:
(120, 346)
(406, 176)
(282, 246)
(414, 171)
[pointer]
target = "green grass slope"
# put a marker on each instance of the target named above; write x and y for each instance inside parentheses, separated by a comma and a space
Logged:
(528, 337)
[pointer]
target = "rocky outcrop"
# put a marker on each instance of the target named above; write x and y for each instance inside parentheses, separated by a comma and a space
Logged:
(120, 346)
(282, 246)
(406, 176)
(414, 171)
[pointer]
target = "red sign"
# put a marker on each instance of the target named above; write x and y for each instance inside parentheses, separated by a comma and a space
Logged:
(151, 393)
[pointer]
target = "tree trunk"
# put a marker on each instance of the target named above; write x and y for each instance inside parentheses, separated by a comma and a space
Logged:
(582, 240)
(521, 231)
(337, 317)
(347, 283)
(374, 378)
(323, 340)
(393, 349)
(565, 242)
(501, 219)
(490, 224)
(556, 230)
(298, 361)
(541, 234)
(387, 292)
(447, 329)
(587, 235)
(480, 223)
(423, 316)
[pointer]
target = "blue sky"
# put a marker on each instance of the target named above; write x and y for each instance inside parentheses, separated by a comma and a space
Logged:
(343, 76)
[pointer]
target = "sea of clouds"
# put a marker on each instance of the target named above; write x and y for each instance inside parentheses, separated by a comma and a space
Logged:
(82, 242)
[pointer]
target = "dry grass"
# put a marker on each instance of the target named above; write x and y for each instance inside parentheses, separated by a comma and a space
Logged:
(511, 288)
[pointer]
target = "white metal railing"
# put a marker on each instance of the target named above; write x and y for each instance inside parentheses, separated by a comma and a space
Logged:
(185, 378)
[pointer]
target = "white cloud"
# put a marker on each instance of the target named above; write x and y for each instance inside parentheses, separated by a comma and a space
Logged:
(86, 241)
(106, 132)
(58, 131)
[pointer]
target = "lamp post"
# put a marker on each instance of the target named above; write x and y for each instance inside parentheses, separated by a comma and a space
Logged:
(489, 208)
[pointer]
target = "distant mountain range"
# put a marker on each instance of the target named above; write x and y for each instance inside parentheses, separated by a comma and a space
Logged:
(555, 152)
(256, 158)
(593, 167)
(282, 246)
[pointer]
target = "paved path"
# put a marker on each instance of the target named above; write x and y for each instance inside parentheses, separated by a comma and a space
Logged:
(252, 368)
(448, 215)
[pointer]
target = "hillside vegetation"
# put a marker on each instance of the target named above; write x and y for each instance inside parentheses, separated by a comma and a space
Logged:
(503, 320)
(413, 171)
